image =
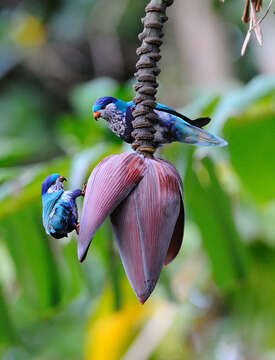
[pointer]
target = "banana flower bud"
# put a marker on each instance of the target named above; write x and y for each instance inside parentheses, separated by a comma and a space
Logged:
(143, 197)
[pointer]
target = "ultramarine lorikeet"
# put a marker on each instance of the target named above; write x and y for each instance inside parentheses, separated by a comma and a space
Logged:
(171, 125)
(59, 209)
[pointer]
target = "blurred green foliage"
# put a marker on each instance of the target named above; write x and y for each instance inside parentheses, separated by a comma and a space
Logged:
(46, 291)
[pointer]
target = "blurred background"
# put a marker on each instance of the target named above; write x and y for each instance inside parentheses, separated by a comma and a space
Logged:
(216, 300)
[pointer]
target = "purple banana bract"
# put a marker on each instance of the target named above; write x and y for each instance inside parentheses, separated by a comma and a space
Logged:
(143, 197)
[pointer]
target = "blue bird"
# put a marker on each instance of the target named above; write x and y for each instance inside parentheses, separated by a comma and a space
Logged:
(171, 126)
(59, 209)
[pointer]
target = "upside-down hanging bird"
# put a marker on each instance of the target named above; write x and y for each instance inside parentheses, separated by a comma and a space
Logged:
(171, 126)
(59, 209)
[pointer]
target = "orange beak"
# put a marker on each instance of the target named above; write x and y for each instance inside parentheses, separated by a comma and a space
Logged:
(96, 114)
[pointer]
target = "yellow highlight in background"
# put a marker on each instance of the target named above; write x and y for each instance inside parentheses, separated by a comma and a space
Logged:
(110, 332)
(29, 32)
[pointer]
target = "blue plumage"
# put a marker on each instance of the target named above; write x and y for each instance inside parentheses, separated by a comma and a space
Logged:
(171, 125)
(59, 209)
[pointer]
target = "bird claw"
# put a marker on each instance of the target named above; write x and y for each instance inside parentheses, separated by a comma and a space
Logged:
(84, 189)
(77, 227)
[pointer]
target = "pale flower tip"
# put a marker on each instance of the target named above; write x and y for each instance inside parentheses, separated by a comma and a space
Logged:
(259, 35)
(246, 40)
(260, 41)
(82, 252)
(142, 299)
(149, 287)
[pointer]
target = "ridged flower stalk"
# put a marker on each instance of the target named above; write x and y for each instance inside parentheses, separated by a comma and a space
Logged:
(146, 75)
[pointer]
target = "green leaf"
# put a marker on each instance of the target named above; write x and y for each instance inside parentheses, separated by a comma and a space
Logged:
(71, 278)
(84, 95)
(211, 210)
(32, 255)
(251, 148)
(7, 334)
(239, 100)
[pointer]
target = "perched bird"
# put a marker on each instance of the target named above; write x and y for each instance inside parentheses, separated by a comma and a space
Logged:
(59, 213)
(171, 126)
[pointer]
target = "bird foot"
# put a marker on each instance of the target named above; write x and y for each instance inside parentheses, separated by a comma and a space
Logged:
(84, 189)
(77, 227)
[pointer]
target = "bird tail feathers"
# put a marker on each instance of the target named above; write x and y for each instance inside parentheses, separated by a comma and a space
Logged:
(193, 135)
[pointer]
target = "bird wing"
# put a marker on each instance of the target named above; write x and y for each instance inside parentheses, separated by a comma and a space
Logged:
(190, 134)
(178, 127)
(69, 203)
(199, 122)
(48, 203)
(63, 216)
(59, 217)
